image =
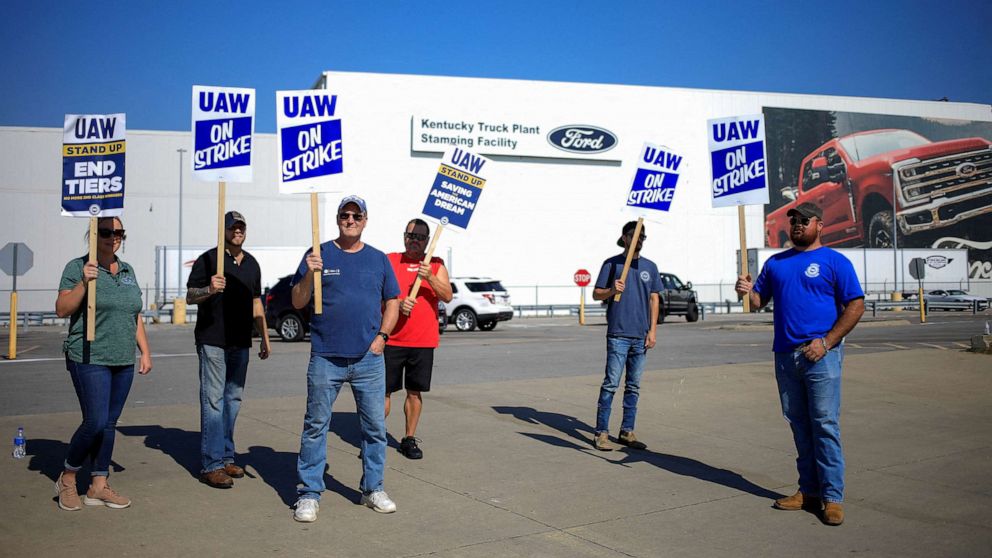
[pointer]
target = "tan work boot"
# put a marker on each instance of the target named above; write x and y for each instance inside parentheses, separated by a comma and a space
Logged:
(798, 501)
(833, 513)
(628, 439)
(602, 442)
(233, 471)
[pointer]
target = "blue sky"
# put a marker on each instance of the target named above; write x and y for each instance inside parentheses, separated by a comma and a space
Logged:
(143, 57)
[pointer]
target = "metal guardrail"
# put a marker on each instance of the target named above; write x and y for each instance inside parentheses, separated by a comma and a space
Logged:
(38, 318)
(975, 306)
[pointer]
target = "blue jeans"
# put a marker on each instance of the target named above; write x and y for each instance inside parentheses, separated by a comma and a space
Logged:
(620, 352)
(325, 376)
(810, 394)
(222, 381)
(102, 391)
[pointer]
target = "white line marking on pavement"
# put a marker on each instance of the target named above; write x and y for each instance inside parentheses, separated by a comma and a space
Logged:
(934, 346)
(896, 346)
(962, 345)
(53, 359)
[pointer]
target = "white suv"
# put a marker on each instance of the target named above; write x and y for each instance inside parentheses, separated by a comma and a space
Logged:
(478, 301)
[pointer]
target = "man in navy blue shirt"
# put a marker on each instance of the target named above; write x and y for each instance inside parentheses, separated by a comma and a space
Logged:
(818, 301)
(346, 343)
(630, 333)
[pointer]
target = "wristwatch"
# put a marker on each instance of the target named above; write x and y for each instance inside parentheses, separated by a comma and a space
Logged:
(384, 335)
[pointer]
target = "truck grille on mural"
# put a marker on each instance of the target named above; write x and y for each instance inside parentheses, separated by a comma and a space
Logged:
(882, 181)
(582, 139)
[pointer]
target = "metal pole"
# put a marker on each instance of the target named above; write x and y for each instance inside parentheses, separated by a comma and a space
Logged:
(179, 262)
(895, 238)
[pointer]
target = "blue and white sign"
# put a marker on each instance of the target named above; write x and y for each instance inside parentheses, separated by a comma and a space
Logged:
(455, 193)
(223, 132)
(93, 148)
(737, 155)
(653, 187)
(310, 147)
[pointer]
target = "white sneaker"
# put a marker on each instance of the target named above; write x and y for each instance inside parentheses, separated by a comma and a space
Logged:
(379, 501)
(306, 510)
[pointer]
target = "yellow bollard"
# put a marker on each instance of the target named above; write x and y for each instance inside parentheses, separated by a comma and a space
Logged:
(179, 311)
(12, 343)
(897, 297)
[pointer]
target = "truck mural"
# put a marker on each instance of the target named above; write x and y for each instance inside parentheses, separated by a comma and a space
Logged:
(876, 176)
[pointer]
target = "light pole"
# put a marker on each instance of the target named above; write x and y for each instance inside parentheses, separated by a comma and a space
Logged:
(895, 242)
(179, 262)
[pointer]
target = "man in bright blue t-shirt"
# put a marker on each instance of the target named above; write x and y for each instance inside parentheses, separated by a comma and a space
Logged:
(818, 301)
(360, 309)
(630, 333)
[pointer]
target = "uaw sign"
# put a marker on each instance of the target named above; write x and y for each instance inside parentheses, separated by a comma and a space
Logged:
(93, 148)
(310, 146)
(223, 127)
(737, 156)
(657, 175)
(455, 193)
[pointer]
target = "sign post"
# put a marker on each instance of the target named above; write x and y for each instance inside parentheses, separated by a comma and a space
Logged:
(15, 259)
(223, 136)
(651, 191)
(737, 157)
(310, 154)
(93, 148)
(453, 196)
(582, 278)
(918, 270)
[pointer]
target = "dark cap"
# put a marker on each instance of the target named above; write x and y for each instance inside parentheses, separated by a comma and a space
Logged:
(232, 217)
(628, 228)
(807, 210)
(355, 200)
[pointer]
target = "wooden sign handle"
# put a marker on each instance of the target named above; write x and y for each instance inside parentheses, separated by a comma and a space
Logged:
(318, 299)
(630, 253)
(221, 187)
(744, 270)
(427, 260)
(91, 288)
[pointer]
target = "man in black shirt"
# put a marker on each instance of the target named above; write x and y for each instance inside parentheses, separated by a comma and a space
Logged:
(228, 307)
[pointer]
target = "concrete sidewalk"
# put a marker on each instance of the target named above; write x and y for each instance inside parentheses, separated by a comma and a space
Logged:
(509, 471)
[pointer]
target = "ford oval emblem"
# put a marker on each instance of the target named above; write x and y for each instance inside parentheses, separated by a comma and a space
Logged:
(578, 138)
(966, 169)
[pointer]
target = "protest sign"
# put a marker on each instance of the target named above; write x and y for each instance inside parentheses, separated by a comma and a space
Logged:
(93, 150)
(651, 190)
(454, 195)
(740, 177)
(310, 154)
(93, 147)
(223, 130)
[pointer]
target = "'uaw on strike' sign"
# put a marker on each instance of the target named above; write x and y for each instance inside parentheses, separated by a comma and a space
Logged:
(93, 165)
(310, 148)
(457, 187)
(737, 154)
(657, 175)
(223, 124)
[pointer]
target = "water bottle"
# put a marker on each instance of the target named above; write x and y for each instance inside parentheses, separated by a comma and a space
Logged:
(19, 452)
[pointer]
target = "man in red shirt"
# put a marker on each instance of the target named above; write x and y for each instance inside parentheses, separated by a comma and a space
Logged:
(410, 349)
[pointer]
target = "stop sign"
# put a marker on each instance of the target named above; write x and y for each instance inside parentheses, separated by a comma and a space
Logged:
(582, 277)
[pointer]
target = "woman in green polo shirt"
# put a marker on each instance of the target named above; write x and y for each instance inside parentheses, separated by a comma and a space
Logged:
(101, 370)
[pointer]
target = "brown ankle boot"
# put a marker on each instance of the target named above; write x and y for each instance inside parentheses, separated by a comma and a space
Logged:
(833, 513)
(798, 501)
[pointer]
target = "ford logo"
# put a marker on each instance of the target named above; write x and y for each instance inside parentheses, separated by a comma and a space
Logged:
(577, 138)
(938, 262)
(966, 169)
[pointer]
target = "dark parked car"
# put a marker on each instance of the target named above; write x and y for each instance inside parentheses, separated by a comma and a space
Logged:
(293, 324)
(677, 299)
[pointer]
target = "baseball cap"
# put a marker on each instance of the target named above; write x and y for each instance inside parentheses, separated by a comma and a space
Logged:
(355, 200)
(232, 217)
(806, 209)
(629, 227)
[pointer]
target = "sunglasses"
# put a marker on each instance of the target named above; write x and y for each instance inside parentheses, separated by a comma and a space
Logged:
(237, 227)
(415, 236)
(804, 220)
(642, 237)
(107, 233)
(345, 215)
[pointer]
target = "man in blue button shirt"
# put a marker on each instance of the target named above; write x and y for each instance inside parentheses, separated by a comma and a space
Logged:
(346, 343)
(630, 333)
(818, 301)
